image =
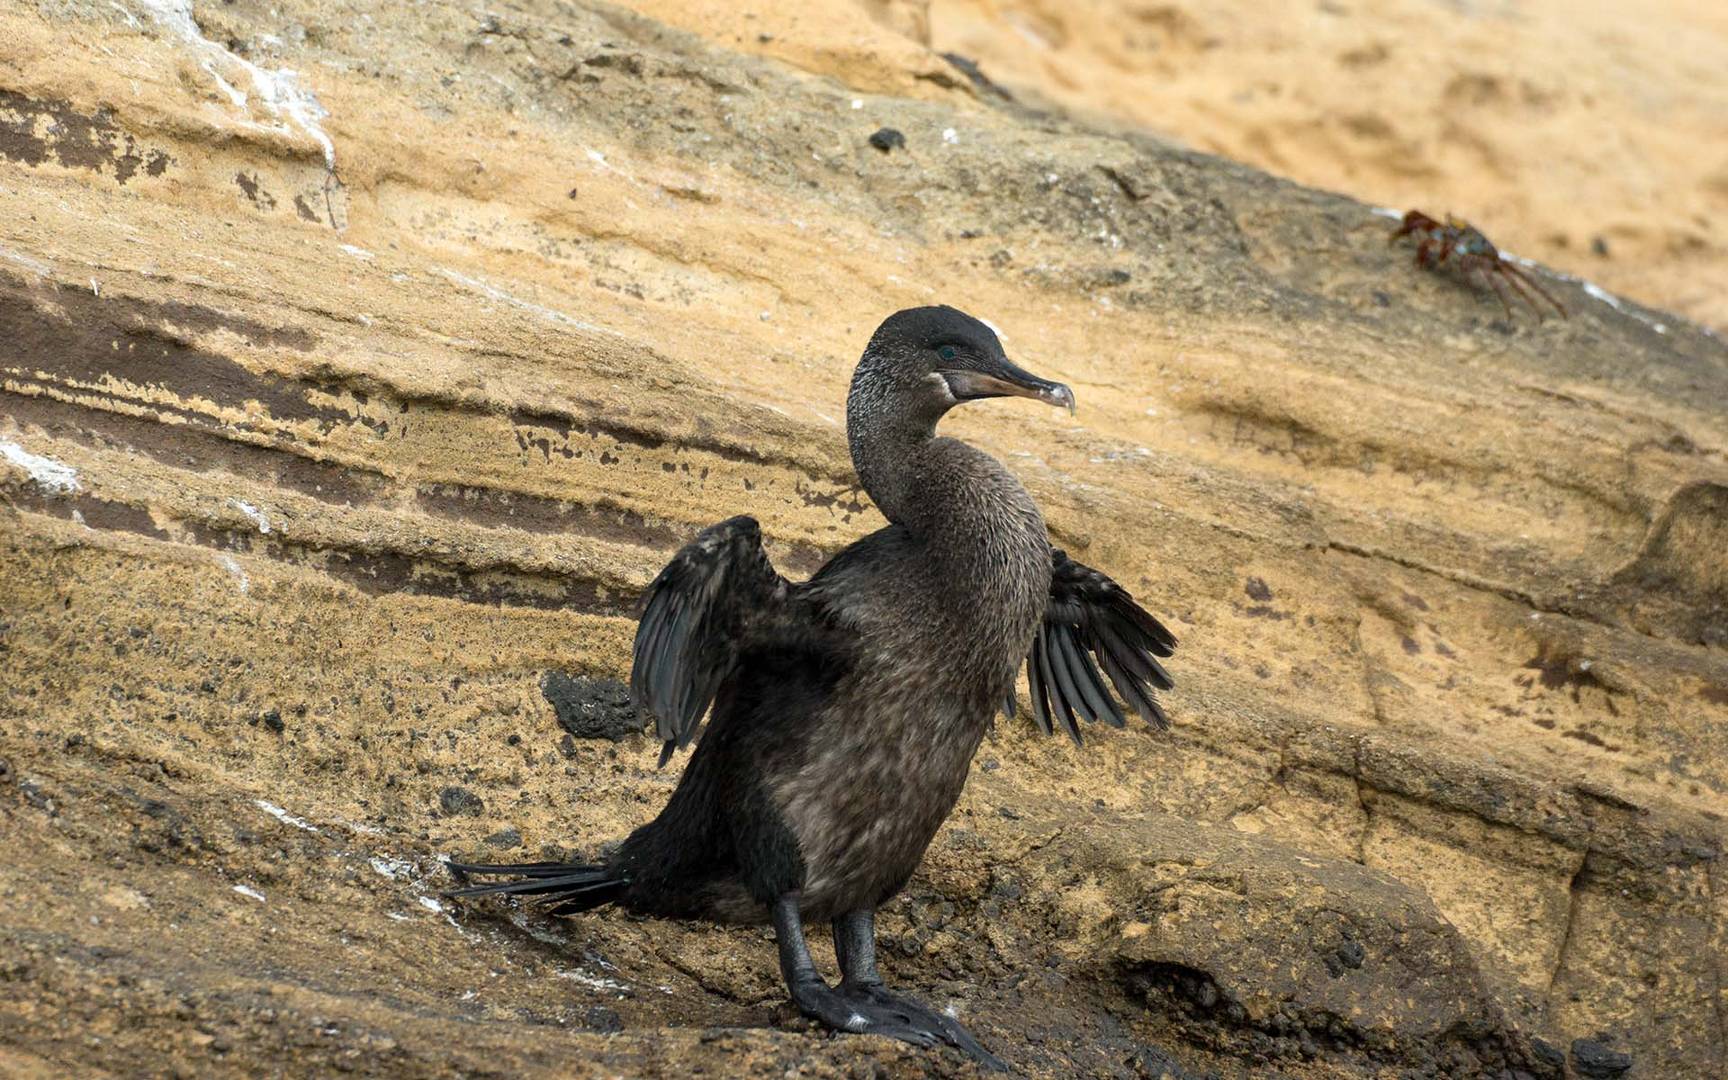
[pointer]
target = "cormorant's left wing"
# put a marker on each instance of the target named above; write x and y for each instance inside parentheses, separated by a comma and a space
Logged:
(695, 616)
(1092, 622)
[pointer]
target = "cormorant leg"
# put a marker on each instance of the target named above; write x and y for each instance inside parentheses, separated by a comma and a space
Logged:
(855, 945)
(816, 1000)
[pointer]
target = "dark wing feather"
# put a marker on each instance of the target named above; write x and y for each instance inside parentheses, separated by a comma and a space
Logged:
(1092, 622)
(695, 616)
(1035, 683)
(1056, 678)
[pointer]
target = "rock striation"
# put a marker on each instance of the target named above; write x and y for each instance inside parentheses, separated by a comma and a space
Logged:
(360, 362)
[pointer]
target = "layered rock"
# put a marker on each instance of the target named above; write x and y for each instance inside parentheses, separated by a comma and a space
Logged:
(358, 365)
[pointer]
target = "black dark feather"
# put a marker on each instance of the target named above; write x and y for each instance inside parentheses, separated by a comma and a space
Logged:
(1039, 692)
(1087, 679)
(1067, 675)
(567, 887)
(695, 620)
(533, 885)
(1053, 678)
(1090, 623)
(530, 869)
(1133, 658)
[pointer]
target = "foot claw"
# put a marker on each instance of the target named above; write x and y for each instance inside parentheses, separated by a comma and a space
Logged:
(876, 1010)
(924, 1020)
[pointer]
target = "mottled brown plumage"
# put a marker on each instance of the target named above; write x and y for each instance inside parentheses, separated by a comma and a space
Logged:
(845, 711)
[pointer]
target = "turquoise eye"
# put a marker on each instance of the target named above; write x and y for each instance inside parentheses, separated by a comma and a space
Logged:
(947, 352)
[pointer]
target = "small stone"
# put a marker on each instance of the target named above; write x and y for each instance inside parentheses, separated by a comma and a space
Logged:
(886, 139)
(459, 800)
(1547, 1053)
(602, 1019)
(273, 720)
(504, 838)
(1594, 1060)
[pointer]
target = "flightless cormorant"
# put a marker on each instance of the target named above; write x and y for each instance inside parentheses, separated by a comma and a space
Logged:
(845, 710)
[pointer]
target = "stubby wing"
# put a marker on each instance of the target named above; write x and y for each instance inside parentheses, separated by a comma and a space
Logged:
(1093, 623)
(694, 617)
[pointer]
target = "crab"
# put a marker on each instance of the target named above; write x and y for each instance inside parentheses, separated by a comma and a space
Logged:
(1462, 246)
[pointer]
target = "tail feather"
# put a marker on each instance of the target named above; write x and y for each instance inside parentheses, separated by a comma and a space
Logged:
(527, 869)
(566, 887)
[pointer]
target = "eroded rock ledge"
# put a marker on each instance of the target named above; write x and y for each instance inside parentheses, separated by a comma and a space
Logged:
(335, 422)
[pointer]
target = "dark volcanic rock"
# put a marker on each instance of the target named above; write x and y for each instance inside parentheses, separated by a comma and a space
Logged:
(592, 708)
(886, 139)
(1597, 1061)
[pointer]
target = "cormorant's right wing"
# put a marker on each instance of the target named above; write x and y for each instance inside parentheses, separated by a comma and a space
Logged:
(1091, 618)
(694, 616)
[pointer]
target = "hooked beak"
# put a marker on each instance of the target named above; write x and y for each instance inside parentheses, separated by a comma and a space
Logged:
(1007, 380)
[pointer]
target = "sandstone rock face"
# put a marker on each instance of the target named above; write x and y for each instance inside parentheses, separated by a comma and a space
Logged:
(360, 362)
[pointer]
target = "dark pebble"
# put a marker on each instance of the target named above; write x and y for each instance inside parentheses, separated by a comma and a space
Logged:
(600, 1018)
(1596, 1061)
(273, 720)
(459, 800)
(1547, 1053)
(504, 838)
(886, 139)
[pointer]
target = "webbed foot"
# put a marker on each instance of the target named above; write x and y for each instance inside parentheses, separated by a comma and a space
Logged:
(861, 1004)
(860, 1015)
(912, 1014)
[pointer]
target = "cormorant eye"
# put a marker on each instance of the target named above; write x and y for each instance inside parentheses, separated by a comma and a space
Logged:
(947, 352)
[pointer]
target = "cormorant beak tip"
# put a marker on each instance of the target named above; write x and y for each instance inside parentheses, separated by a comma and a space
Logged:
(1059, 395)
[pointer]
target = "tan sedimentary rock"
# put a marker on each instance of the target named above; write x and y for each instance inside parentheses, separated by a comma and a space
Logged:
(316, 465)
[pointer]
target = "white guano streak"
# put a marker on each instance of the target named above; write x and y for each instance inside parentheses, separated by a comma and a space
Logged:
(284, 816)
(279, 91)
(47, 473)
(252, 512)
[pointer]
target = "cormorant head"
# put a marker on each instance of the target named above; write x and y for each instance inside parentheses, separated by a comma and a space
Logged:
(930, 359)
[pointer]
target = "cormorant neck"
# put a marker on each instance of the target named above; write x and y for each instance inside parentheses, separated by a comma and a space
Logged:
(889, 422)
